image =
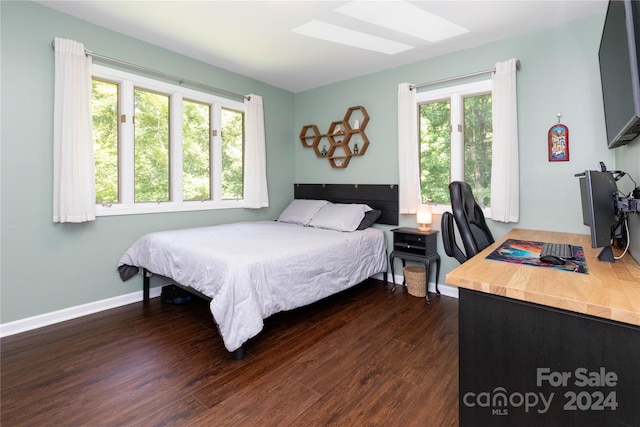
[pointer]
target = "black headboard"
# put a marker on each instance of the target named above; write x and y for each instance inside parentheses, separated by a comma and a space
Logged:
(381, 197)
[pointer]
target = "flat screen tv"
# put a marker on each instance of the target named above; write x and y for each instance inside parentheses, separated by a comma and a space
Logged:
(619, 71)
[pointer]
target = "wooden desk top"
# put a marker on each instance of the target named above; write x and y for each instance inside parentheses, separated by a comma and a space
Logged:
(610, 290)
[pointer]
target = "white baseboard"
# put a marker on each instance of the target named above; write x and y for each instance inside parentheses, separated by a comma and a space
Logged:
(47, 319)
(446, 290)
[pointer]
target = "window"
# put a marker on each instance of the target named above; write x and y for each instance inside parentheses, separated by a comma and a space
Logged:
(150, 147)
(196, 145)
(104, 105)
(455, 137)
(160, 147)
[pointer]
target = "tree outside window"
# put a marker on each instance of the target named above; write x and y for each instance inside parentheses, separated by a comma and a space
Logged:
(455, 131)
(104, 105)
(160, 147)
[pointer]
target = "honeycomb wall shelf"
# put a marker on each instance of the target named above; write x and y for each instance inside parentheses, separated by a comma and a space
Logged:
(344, 139)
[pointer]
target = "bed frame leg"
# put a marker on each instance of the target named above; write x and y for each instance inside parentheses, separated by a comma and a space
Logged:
(145, 285)
(239, 353)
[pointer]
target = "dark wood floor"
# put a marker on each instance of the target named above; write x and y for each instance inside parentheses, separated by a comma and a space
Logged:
(365, 357)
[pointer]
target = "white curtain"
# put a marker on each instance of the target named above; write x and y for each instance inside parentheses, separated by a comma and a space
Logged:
(505, 176)
(408, 154)
(255, 158)
(74, 197)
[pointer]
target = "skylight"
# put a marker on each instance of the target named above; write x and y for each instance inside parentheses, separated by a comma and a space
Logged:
(336, 34)
(403, 17)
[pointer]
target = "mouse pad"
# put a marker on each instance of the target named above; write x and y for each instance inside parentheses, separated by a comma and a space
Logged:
(528, 252)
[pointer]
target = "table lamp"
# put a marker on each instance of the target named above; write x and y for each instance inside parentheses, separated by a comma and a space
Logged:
(424, 217)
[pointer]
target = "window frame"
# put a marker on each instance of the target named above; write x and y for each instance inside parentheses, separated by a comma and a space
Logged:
(127, 83)
(455, 94)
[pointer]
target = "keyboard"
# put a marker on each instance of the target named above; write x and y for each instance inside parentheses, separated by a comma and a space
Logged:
(561, 250)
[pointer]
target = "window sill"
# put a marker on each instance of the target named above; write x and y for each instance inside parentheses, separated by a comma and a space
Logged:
(164, 207)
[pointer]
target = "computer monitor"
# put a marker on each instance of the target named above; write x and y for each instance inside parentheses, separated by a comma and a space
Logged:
(599, 194)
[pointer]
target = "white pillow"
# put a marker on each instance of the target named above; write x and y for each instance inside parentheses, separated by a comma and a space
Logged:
(339, 217)
(300, 211)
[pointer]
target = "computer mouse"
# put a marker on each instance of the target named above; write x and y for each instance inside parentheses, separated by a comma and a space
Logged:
(550, 259)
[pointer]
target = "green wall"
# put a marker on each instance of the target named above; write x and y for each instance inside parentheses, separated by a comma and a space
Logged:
(45, 266)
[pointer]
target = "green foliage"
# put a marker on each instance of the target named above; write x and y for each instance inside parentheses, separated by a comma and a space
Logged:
(478, 137)
(435, 149)
(151, 146)
(152, 150)
(104, 104)
(196, 146)
(232, 154)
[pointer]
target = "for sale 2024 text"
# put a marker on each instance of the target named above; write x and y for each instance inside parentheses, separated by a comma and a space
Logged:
(595, 393)
(584, 400)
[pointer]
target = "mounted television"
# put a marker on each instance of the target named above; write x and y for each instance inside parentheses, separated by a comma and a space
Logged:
(619, 71)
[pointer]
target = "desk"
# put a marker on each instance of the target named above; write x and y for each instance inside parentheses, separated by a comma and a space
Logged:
(530, 333)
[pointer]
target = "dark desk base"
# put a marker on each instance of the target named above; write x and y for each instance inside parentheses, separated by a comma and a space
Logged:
(514, 354)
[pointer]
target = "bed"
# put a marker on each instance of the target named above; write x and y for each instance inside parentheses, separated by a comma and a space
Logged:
(320, 244)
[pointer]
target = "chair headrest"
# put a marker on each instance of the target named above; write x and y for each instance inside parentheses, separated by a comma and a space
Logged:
(462, 198)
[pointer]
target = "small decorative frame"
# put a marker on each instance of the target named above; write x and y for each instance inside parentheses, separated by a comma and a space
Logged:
(558, 142)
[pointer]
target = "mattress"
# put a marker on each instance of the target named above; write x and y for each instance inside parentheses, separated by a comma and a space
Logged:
(252, 270)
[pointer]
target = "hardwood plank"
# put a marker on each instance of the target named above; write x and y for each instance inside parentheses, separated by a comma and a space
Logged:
(373, 393)
(366, 356)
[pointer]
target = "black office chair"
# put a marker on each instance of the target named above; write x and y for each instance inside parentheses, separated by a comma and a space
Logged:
(451, 247)
(471, 224)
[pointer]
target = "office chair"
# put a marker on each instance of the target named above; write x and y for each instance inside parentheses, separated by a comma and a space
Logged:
(451, 247)
(468, 216)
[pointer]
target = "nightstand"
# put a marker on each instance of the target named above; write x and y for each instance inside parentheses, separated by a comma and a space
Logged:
(411, 244)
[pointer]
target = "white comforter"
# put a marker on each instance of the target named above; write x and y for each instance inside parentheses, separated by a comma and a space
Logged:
(251, 270)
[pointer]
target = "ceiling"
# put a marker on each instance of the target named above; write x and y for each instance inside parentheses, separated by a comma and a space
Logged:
(254, 38)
